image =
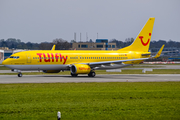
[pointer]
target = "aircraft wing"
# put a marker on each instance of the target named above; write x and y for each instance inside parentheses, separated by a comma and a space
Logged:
(110, 62)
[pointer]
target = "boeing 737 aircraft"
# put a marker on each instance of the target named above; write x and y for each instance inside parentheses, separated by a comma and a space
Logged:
(82, 61)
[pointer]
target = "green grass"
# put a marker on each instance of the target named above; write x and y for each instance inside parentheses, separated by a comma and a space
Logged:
(4, 68)
(90, 101)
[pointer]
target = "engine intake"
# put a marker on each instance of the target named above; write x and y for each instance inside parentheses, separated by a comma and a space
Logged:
(80, 69)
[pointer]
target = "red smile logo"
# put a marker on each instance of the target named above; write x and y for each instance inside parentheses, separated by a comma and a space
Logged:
(141, 37)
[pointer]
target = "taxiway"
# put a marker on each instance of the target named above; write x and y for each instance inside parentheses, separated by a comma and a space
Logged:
(84, 78)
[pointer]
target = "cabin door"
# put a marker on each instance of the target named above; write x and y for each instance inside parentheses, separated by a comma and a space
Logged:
(28, 57)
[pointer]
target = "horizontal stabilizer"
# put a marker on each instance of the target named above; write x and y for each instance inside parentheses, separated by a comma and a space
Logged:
(146, 54)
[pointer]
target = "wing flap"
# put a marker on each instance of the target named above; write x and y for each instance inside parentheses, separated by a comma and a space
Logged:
(116, 62)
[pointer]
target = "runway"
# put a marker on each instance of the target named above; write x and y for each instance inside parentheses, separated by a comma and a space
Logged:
(84, 78)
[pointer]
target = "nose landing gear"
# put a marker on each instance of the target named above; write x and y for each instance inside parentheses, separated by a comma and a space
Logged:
(19, 74)
(18, 71)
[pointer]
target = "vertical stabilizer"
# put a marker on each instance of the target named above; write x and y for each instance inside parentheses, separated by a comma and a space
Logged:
(142, 41)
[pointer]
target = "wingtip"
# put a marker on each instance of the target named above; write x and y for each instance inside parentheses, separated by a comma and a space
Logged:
(152, 18)
(53, 48)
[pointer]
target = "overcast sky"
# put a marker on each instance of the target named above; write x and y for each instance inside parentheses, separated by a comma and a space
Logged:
(45, 20)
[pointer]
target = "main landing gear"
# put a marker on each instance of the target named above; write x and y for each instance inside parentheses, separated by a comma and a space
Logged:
(74, 75)
(92, 74)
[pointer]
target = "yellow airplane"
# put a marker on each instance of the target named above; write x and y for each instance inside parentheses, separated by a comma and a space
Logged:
(83, 61)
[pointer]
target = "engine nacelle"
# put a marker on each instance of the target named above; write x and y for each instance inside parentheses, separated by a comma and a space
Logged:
(51, 71)
(80, 69)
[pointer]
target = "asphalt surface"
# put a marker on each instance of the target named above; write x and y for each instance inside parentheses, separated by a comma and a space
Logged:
(97, 78)
(139, 67)
(85, 78)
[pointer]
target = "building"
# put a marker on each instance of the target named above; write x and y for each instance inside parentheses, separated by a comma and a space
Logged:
(100, 44)
(1, 55)
(4, 48)
(5, 52)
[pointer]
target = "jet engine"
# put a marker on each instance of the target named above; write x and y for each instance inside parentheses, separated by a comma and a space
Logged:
(80, 69)
(51, 71)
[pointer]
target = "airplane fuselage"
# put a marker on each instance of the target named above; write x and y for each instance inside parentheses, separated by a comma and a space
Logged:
(61, 59)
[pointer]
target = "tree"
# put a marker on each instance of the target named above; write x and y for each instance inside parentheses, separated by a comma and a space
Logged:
(73, 41)
(45, 46)
(90, 41)
(61, 44)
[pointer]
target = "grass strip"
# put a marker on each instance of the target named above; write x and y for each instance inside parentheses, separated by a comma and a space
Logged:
(90, 101)
(4, 68)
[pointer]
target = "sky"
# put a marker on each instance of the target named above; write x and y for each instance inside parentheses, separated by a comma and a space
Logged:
(45, 20)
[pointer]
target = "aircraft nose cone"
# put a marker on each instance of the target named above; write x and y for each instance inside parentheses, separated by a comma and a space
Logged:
(4, 62)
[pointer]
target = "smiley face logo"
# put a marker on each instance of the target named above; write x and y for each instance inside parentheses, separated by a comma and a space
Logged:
(141, 38)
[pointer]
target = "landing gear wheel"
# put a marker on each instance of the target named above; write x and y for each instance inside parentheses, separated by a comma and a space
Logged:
(92, 74)
(74, 75)
(20, 75)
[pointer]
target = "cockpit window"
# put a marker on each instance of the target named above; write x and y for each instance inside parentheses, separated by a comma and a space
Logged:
(15, 57)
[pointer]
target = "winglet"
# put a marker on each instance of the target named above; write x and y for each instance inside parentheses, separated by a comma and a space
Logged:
(159, 52)
(53, 48)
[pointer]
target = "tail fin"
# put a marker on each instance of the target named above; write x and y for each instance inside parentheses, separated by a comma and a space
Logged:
(142, 41)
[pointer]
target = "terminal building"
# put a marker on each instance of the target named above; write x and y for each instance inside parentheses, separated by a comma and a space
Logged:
(100, 44)
(1, 55)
